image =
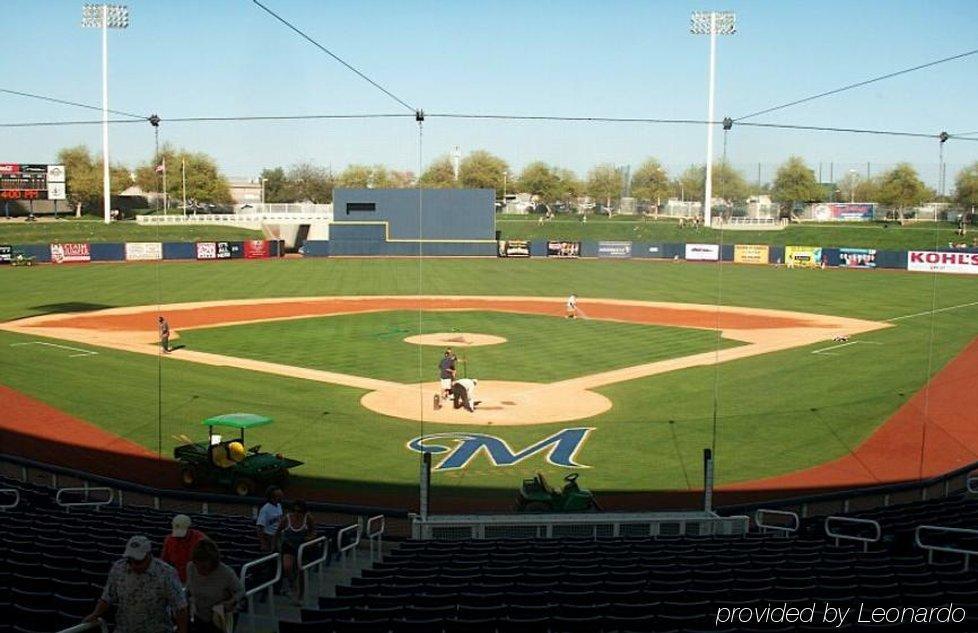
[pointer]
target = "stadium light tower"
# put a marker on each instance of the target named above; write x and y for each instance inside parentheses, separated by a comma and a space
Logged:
(105, 17)
(711, 23)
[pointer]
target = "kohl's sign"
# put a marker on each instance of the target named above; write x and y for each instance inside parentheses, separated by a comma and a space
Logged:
(938, 262)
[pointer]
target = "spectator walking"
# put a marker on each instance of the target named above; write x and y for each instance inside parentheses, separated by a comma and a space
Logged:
(145, 591)
(179, 545)
(268, 520)
(295, 528)
(215, 590)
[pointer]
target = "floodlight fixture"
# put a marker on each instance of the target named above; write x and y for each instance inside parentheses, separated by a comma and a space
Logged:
(105, 17)
(711, 23)
(707, 22)
(112, 16)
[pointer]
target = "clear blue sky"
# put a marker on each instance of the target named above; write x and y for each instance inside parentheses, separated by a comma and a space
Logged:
(612, 58)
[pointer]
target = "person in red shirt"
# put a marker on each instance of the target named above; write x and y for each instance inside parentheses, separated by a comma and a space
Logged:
(178, 547)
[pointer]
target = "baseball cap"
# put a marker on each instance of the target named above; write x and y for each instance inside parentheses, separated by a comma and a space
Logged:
(181, 523)
(137, 548)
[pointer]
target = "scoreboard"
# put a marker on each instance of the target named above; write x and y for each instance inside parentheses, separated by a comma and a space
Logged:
(32, 182)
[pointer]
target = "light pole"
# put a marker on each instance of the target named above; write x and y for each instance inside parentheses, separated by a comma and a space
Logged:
(853, 176)
(263, 180)
(711, 23)
(504, 189)
(105, 17)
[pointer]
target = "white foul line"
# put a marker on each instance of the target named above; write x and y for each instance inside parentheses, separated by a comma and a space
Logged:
(910, 316)
(826, 349)
(84, 352)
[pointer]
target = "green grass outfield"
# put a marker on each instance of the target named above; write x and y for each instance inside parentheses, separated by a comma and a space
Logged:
(918, 236)
(89, 229)
(777, 412)
(537, 348)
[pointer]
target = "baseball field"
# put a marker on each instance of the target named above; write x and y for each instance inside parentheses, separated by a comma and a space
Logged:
(665, 359)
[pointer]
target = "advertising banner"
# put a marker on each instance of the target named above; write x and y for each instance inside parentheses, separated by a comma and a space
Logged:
(144, 251)
(931, 261)
(857, 257)
(514, 248)
(751, 254)
(803, 256)
(223, 250)
(70, 253)
(703, 252)
(256, 249)
(615, 249)
(563, 249)
(6, 253)
(206, 250)
(843, 212)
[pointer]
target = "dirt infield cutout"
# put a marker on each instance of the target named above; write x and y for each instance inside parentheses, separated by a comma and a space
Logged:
(133, 329)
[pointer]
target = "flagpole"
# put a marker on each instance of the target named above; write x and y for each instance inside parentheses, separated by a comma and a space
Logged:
(183, 175)
(166, 206)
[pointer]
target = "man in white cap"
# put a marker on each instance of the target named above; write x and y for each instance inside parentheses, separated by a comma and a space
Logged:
(178, 547)
(145, 591)
(463, 393)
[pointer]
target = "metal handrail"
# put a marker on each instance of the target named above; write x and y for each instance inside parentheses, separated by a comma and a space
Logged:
(852, 520)
(343, 549)
(305, 567)
(15, 492)
(761, 512)
(71, 504)
(267, 585)
(942, 548)
(375, 534)
(87, 626)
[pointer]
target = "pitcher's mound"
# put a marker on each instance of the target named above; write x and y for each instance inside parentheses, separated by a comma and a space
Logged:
(503, 403)
(456, 339)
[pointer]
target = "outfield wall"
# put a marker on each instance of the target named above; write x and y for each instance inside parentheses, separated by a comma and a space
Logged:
(84, 252)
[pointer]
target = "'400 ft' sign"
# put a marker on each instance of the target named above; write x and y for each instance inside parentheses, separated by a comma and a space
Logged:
(459, 449)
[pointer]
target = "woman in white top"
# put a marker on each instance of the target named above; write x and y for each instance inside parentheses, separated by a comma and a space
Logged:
(295, 528)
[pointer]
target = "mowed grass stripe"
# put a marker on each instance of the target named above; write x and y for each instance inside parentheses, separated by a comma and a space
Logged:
(537, 348)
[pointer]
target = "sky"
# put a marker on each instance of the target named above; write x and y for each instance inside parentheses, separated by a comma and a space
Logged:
(614, 58)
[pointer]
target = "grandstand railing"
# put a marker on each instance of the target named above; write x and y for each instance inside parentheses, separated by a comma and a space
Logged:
(267, 585)
(599, 525)
(87, 626)
(344, 548)
(967, 553)
(87, 502)
(865, 540)
(375, 537)
(203, 498)
(972, 483)
(868, 497)
(306, 567)
(16, 496)
(761, 514)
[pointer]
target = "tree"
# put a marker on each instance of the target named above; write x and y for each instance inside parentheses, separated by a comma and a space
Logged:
(355, 177)
(901, 188)
(311, 183)
(84, 178)
(966, 186)
(540, 179)
(728, 183)
(849, 185)
(570, 185)
(401, 179)
(277, 186)
(795, 182)
(650, 182)
(482, 170)
(205, 183)
(604, 182)
(439, 175)
(867, 189)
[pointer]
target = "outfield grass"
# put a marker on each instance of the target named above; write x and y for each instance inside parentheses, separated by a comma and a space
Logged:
(882, 236)
(91, 230)
(537, 348)
(776, 413)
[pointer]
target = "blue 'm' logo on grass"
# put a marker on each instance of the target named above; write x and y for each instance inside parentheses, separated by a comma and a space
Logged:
(560, 448)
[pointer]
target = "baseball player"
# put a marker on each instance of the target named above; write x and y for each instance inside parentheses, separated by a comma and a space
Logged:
(463, 393)
(446, 374)
(164, 335)
(572, 306)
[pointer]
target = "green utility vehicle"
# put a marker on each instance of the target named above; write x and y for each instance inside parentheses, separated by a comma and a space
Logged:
(226, 462)
(536, 495)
